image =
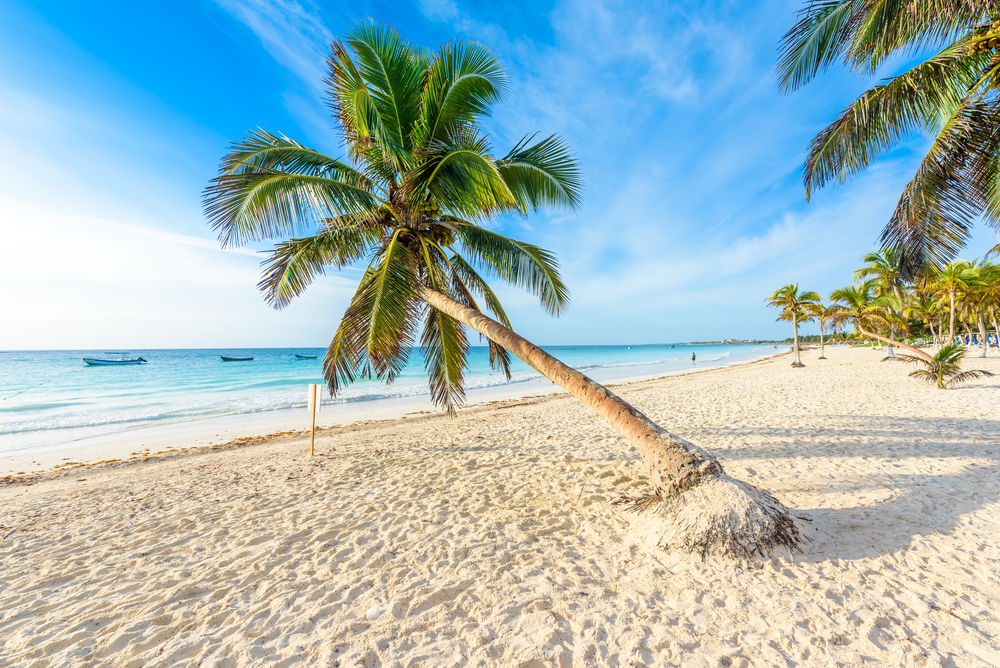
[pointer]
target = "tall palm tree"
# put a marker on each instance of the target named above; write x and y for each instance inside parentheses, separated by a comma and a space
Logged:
(858, 305)
(822, 313)
(795, 308)
(883, 266)
(419, 181)
(923, 309)
(951, 280)
(950, 97)
(981, 294)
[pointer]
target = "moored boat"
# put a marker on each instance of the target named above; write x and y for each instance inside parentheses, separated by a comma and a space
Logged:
(236, 359)
(91, 361)
(305, 357)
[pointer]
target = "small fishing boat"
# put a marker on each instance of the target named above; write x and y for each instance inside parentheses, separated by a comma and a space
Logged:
(118, 362)
(305, 357)
(236, 359)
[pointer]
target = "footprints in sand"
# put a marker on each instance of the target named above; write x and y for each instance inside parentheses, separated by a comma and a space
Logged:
(479, 541)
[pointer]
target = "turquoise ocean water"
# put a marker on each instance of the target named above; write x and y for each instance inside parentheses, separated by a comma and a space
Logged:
(51, 398)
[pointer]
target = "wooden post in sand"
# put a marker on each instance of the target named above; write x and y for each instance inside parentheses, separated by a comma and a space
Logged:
(315, 403)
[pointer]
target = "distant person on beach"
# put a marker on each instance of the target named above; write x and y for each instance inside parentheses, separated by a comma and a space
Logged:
(692, 357)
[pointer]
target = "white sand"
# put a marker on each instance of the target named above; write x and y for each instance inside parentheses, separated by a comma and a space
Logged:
(487, 539)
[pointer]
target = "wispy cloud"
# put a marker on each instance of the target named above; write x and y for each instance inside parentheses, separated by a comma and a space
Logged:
(292, 32)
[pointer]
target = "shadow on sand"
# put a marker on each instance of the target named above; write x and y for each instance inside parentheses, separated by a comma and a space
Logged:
(891, 500)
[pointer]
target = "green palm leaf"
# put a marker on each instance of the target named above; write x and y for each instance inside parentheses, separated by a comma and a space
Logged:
(294, 264)
(912, 102)
(523, 265)
(445, 348)
(542, 174)
(270, 186)
(355, 108)
(463, 82)
(938, 209)
(815, 41)
(394, 73)
(463, 276)
(461, 175)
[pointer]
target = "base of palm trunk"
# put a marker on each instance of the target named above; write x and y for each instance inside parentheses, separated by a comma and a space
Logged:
(798, 365)
(721, 516)
(821, 357)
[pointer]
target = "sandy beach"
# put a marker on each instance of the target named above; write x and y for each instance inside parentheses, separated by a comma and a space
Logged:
(488, 539)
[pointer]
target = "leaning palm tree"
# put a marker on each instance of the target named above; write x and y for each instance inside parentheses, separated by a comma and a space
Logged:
(410, 202)
(944, 370)
(795, 308)
(858, 305)
(950, 98)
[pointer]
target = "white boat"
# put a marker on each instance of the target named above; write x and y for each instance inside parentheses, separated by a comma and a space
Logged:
(122, 359)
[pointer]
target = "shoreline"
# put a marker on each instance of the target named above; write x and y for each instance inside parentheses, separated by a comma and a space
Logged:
(156, 441)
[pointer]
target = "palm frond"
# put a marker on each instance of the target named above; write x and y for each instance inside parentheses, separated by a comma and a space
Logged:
(345, 354)
(886, 28)
(966, 376)
(394, 73)
(464, 80)
(913, 102)
(935, 215)
(269, 186)
(818, 38)
(523, 265)
(390, 306)
(543, 174)
(294, 264)
(863, 34)
(464, 281)
(353, 105)
(461, 174)
(445, 348)
(924, 375)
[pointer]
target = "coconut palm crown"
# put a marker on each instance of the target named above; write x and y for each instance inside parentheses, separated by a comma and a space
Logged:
(796, 307)
(419, 180)
(949, 97)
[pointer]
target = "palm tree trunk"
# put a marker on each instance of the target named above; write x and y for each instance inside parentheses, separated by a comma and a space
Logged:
(822, 346)
(674, 464)
(951, 318)
(996, 330)
(915, 351)
(797, 362)
(982, 335)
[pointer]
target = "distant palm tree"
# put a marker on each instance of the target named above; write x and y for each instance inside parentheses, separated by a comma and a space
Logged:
(822, 315)
(795, 308)
(420, 180)
(950, 97)
(922, 308)
(943, 369)
(883, 266)
(950, 280)
(981, 294)
(858, 305)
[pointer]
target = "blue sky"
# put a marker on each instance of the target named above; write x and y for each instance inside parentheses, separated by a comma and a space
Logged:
(114, 115)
